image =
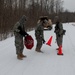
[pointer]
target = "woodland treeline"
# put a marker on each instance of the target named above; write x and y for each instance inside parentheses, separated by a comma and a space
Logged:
(12, 10)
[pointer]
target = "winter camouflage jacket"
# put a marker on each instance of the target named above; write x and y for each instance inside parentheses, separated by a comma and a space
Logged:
(59, 28)
(39, 31)
(19, 27)
(19, 32)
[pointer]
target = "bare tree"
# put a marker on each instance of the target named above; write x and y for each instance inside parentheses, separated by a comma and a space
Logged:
(52, 6)
(58, 6)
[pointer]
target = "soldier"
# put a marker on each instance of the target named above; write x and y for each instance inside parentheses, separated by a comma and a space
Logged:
(59, 32)
(19, 32)
(39, 34)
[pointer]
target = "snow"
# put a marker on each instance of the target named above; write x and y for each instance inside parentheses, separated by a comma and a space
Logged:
(47, 63)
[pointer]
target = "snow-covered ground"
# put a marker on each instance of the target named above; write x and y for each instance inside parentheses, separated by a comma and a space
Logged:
(47, 63)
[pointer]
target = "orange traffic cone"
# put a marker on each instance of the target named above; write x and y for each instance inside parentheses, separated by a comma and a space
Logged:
(60, 51)
(49, 41)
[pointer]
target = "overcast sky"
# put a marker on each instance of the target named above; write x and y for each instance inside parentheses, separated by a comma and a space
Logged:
(69, 4)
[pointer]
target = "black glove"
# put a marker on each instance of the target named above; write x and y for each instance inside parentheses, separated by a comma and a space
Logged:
(43, 41)
(27, 34)
(23, 33)
(64, 31)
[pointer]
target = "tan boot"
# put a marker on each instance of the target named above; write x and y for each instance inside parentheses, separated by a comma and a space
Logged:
(38, 50)
(23, 55)
(19, 57)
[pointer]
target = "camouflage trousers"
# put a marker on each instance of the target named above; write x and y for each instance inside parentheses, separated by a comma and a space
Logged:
(19, 44)
(59, 40)
(39, 43)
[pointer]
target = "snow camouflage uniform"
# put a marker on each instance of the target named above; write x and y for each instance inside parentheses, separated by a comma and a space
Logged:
(59, 33)
(19, 32)
(39, 34)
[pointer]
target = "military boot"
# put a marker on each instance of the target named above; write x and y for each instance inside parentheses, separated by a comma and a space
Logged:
(23, 55)
(38, 50)
(19, 57)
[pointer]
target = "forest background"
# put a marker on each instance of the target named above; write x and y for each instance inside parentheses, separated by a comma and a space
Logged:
(12, 10)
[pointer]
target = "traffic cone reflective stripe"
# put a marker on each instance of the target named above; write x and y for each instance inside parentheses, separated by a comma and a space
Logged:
(60, 51)
(49, 41)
